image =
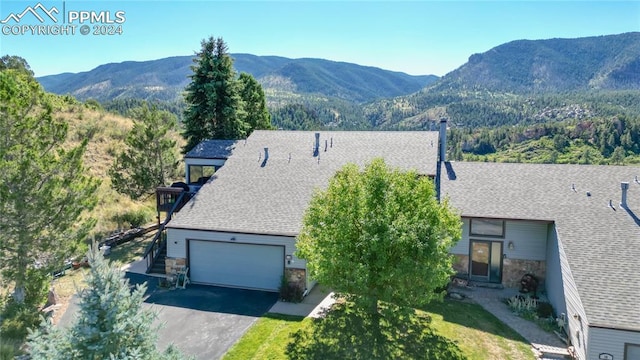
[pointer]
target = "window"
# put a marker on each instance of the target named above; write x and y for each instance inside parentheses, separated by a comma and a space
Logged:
(200, 173)
(487, 227)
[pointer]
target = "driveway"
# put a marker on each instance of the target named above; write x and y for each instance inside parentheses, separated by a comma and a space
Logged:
(202, 321)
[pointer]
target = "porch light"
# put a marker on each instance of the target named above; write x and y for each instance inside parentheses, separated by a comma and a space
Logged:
(289, 257)
(511, 246)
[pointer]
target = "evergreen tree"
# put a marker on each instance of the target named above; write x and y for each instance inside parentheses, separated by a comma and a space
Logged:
(214, 107)
(255, 105)
(111, 324)
(150, 158)
(44, 189)
(15, 63)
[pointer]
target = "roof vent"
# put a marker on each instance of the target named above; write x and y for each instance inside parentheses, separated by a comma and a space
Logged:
(573, 187)
(611, 205)
(326, 144)
(624, 186)
(635, 179)
(331, 142)
(316, 147)
(266, 157)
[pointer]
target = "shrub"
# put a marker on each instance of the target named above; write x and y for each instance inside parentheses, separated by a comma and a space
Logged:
(545, 310)
(290, 292)
(134, 218)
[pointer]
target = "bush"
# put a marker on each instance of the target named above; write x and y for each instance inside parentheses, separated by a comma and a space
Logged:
(17, 319)
(290, 292)
(134, 218)
(545, 310)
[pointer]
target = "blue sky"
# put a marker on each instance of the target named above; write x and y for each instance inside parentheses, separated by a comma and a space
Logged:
(416, 37)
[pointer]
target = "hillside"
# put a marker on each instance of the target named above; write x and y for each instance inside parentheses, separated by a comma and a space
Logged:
(525, 82)
(106, 133)
(536, 66)
(282, 78)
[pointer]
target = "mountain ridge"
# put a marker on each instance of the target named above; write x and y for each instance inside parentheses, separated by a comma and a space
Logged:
(164, 79)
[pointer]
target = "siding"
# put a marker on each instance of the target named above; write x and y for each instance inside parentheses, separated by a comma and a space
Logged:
(577, 321)
(611, 342)
(553, 282)
(529, 239)
(177, 242)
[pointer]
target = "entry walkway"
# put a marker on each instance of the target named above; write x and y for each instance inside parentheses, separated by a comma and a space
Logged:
(318, 300)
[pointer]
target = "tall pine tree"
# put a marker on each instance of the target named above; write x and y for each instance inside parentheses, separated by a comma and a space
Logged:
(44, 186)
(257, 114)
(214, 106)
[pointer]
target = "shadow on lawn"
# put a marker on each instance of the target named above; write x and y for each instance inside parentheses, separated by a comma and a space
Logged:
(347, 332)
(471, 315)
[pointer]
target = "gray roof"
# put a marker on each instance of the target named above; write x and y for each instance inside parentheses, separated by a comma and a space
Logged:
(212, 149)
(250, 196)
(602, 245)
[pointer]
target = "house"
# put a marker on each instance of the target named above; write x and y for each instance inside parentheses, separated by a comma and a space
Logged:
(204, 159)
(563, 223)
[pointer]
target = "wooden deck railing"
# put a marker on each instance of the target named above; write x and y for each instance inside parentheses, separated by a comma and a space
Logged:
(159, 241)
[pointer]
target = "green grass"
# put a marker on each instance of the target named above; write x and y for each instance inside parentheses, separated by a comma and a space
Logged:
(460, 327)
(267, 338)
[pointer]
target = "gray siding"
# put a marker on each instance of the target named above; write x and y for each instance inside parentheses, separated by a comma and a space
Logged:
(577, 321)
(529, 239)
(611, 342)
(553, 282)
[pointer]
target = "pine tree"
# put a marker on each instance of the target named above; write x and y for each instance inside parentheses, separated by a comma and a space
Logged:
(150, 158)
(214, 106)
(111, 324)
(44, 189)
(257, 114)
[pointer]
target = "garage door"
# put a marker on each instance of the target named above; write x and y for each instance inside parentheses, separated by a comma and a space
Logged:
(239, 265)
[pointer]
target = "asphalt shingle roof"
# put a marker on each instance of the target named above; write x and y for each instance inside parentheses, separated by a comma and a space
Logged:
(249, 195)
(253, 196)
(212, 149)
(602, 244)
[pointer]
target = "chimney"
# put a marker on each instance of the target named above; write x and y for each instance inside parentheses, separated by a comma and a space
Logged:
(316, 147)
(623, 201)
(442, 155)
(443, 140)
(266, 153)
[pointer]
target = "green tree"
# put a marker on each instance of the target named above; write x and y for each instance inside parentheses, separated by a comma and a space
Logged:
(150, 158)
(255, 105)
(214, 106)
(618, 156)
(15, 63)
(380, 234)
(111, 324)
(44, 186)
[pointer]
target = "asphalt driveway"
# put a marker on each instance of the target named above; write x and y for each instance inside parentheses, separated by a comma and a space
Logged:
(202, 321)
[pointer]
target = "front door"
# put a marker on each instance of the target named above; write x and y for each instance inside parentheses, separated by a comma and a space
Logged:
(486, 261)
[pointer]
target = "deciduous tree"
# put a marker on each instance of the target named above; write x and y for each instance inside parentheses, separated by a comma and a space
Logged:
(150, 158)
(380, 233)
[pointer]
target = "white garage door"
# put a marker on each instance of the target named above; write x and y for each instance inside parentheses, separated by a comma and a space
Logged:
(239, 265)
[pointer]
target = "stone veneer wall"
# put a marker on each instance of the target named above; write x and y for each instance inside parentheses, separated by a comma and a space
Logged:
(514, 269)
(296, 277)
(461, 264)
(171, 263)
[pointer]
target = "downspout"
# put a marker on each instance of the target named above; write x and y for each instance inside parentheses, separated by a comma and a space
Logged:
(442, 155)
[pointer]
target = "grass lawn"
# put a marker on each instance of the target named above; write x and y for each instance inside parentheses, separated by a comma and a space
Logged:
(465, 326)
